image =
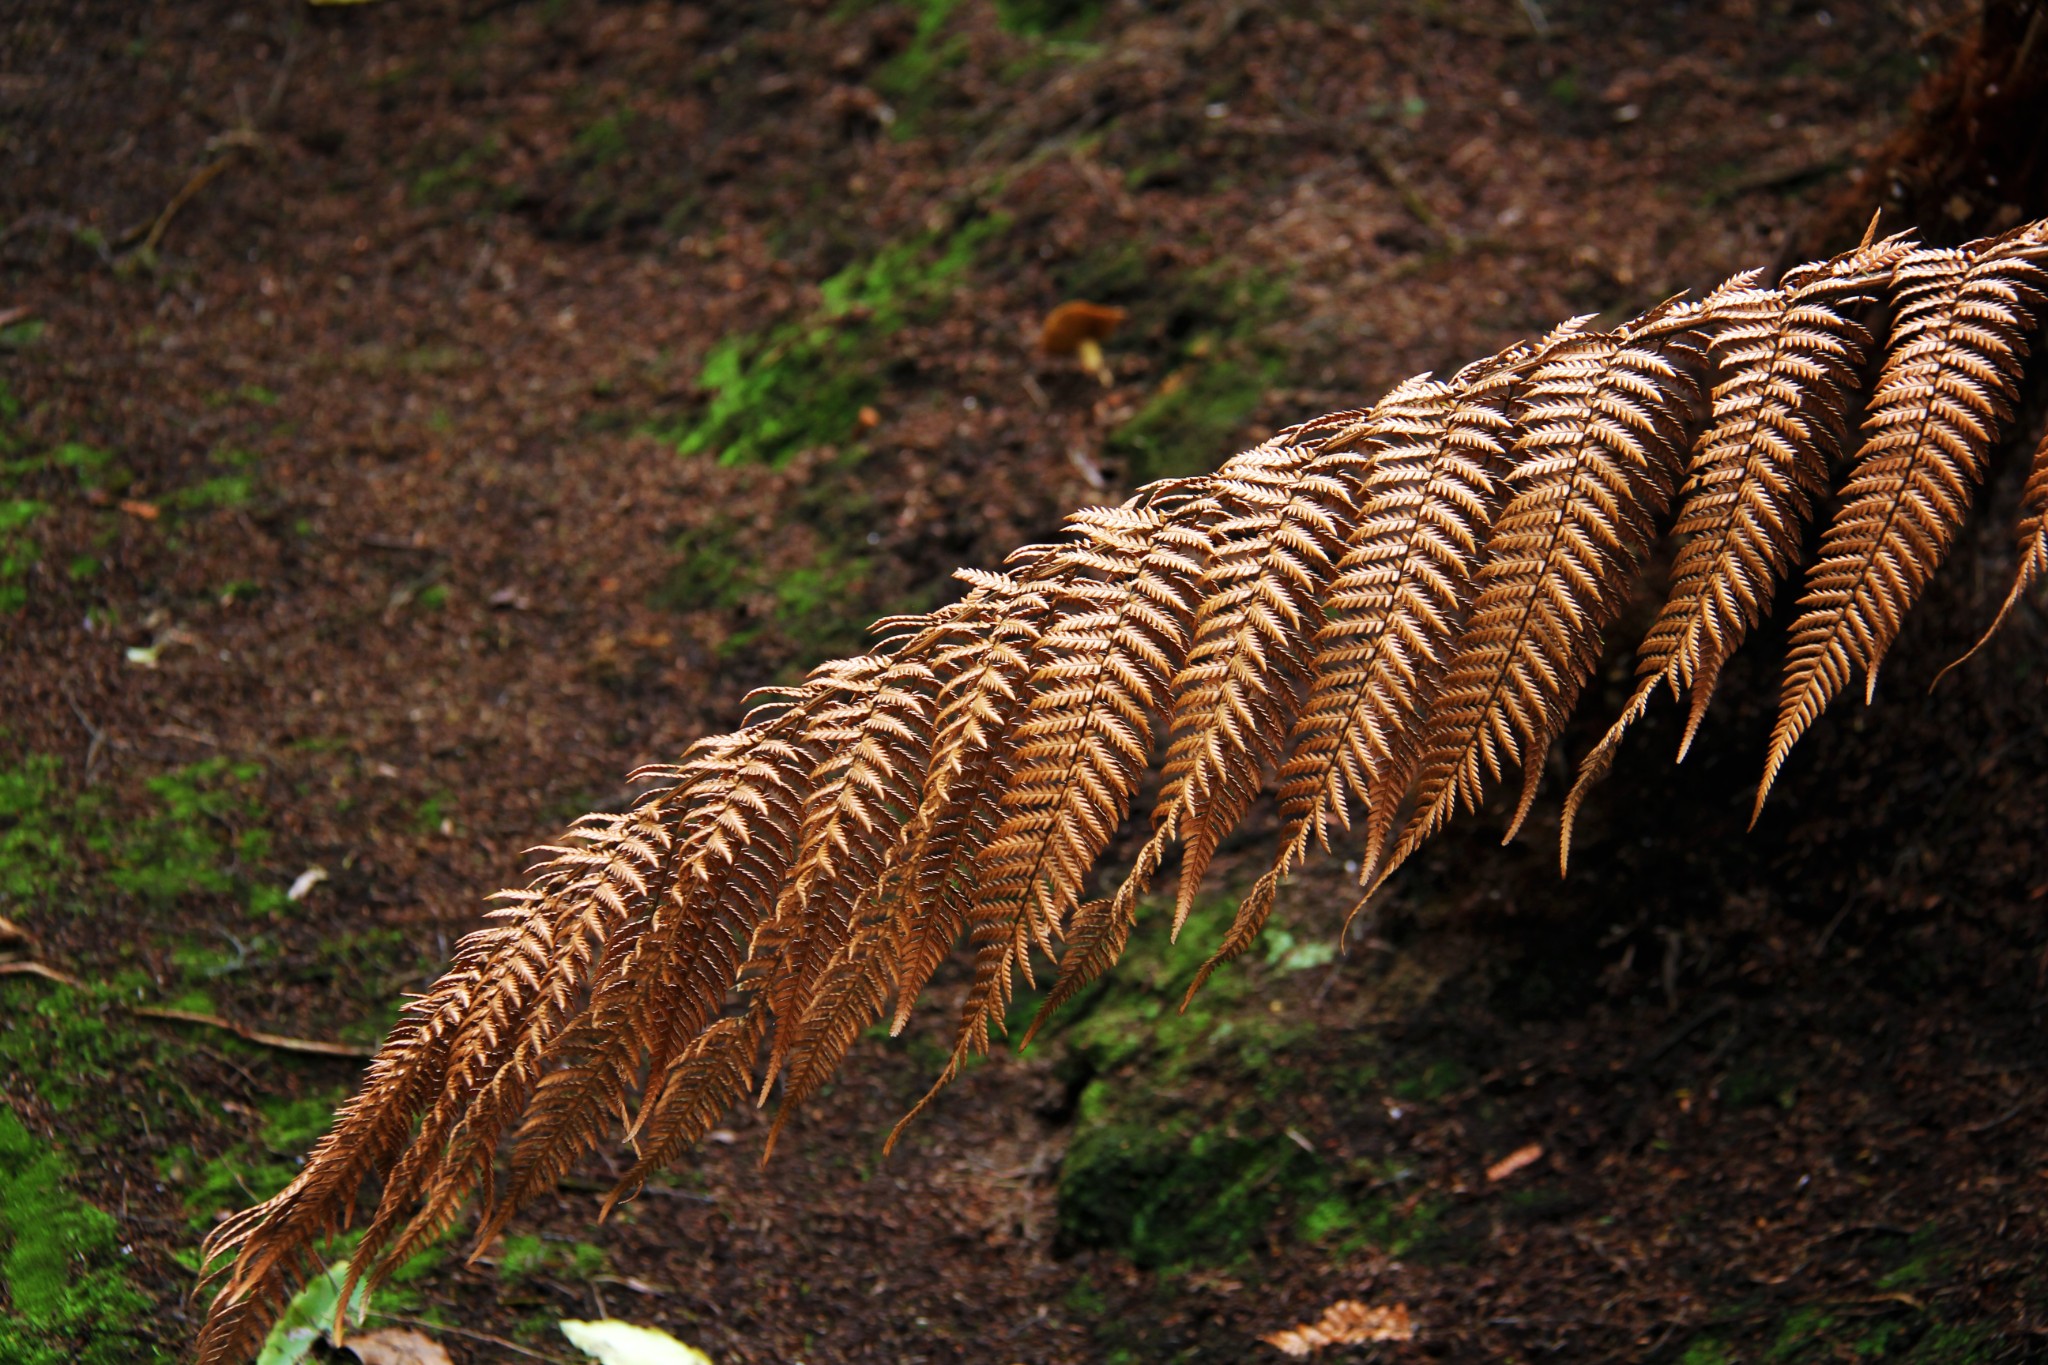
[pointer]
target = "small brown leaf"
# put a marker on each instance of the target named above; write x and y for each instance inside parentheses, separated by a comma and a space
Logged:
(398, 1346)
(1515, 1161)
(148, 511)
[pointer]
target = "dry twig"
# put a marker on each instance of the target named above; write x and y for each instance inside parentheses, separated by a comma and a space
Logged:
(283, 1043)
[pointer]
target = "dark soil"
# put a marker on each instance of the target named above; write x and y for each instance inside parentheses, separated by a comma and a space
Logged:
(376, 524)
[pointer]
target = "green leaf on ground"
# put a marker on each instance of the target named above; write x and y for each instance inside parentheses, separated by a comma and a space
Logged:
(310, 1315)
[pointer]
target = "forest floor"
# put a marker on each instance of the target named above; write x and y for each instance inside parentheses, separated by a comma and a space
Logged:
(415, 416)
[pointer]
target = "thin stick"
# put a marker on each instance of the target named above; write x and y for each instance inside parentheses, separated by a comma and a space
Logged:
(277, 1040)
(41, 969)
(281, 1042)
(97, 736)
(201, 178)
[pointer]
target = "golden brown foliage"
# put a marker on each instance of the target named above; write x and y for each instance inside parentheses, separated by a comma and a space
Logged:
(1380, 611)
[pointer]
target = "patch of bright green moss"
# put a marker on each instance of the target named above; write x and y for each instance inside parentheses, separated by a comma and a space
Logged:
(526, 1255)
(202, 834)
(245, 1174)
(1189, 425)
(68, 1298)
(32, 847)
(91, 466)
(61, 1040)
(803, 384)
(1816, 1334)
(435, 809)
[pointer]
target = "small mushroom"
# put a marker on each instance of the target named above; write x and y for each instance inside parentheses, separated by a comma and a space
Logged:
(1078, 329)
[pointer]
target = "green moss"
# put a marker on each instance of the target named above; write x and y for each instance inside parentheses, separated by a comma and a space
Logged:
(226, 490)
(202, 833)
(1435, 1080)
(1816, 1334)
(815, 603)
(179, 850)
(1707, 1351)
(913, 81)
(1189, 425)
(435, 811)
(1178, 1194)
(1288, 954)
(1804, 1331)
(1183, 1167)
(468, 170)
(1207, 329)
(245, 1174)
(18, 553)
(605, 140)
(232, 1180)
(65, 1042)
(802, 385)
(1953, 1345)
(1085, 1300)
(290, 1126)
(91, 466)
(33, 854)
(522, 1254)
(527, 1255)
(1748, 1086)
(68, 1296)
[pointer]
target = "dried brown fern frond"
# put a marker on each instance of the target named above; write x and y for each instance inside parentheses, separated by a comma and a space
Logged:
(2033, 542)
(1396, 605)
(1787, 359)
(1602, 425)
(1378, 614)
(1951, 372)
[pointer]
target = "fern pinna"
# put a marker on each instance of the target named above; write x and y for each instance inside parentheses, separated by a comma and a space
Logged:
(1381, 612)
